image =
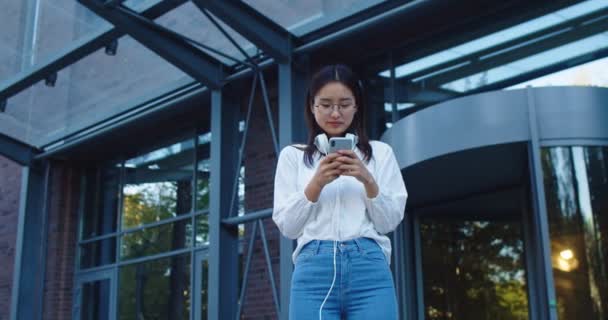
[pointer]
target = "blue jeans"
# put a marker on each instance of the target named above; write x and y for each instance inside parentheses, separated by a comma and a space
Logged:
(363, 287)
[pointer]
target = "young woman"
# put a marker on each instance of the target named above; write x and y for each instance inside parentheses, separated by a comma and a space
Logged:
(339, 206)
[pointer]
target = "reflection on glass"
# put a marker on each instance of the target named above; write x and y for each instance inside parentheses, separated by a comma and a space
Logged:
(158, 185)
(188, 20)
(100, 201)
(581, 75)
(90, 91)
(159, 289)
(97, 253)
(95, 300)
(301, 17)
(203, 171)
(576, 188)
(497, 38)
(155, 240)
(203, 175)
(473, 270)
(529, 63)
(202, 230)
(204, 288)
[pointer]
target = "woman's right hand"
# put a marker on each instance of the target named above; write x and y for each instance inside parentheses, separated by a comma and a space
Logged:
(326, 173)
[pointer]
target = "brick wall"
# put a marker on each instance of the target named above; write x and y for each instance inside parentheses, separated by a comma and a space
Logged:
(259, 179)
(61, 242)
(10, 187)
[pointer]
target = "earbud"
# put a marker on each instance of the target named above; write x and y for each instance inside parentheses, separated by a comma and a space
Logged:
(322, 143)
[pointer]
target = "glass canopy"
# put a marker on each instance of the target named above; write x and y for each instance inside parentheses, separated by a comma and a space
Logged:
(540, 60)
(88, 91)
(302, 17)
(35, 30)
(102, 86)
(485, 77)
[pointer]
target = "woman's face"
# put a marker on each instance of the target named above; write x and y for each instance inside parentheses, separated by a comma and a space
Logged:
(334, 108)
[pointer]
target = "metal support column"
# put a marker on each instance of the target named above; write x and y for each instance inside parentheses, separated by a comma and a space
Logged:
(223, 239)
(29, 268)
(292, 92)
(541, 240)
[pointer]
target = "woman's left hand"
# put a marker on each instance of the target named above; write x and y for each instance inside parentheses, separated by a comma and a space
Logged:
(354, 167)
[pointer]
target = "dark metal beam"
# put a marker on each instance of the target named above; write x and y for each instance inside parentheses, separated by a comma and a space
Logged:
(257, 28)
(16, 150)
(292, 84)
(175, 50)
(30, 251)
(80, 49)
(405, 91)
(223, 239)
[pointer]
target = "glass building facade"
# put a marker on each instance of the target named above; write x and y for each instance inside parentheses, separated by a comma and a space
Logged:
(145, 133)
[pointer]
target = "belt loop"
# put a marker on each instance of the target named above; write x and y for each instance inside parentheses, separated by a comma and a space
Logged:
(358, 243)
(317, 245)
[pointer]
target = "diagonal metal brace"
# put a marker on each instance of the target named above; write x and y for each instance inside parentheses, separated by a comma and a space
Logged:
(176, 50)
(257, 28)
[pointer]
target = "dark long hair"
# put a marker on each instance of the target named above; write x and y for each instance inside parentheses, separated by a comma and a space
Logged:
(344, 75)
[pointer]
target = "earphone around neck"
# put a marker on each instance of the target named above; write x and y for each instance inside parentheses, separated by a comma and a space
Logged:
(322, 143)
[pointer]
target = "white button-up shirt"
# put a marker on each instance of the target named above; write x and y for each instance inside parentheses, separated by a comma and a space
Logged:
(343, 210)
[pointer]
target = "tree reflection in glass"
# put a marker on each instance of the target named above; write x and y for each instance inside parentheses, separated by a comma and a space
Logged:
(473, 270)
(576, 188)
(158, 289)
(161, 181)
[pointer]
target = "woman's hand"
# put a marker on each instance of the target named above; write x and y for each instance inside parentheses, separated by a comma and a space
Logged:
(327, 171)
(352, 166)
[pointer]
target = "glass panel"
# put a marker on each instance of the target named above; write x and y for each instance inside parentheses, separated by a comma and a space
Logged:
(140, 5)
(188, 20)
(203, 171)
(537, 61)
(60, 23)
(95, 300)
(88, 92)
(34, 30)
(496, 38)
(158, 185)
(301, 17)
(11, 38)
(473, 270)
(576, 188)
(202, 230)
(203, 183)
(204, 288)
(98, 253)
(158, 289)
(583, 75)
(155, 240)
(100, 201)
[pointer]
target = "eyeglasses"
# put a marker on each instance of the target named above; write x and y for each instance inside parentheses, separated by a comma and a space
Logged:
(328, 108)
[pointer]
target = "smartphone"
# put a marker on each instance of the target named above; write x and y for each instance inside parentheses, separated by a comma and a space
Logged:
(340, 143)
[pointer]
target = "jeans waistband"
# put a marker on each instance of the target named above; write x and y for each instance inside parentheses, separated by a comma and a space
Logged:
(345, 245)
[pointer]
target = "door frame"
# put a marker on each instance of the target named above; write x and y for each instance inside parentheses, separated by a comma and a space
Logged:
(92, 276)
(197, 259)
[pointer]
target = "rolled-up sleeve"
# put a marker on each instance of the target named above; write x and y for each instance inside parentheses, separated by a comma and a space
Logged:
(386, 210)
(291, 208)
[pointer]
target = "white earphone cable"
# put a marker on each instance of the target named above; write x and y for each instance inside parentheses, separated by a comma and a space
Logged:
(332, 284)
